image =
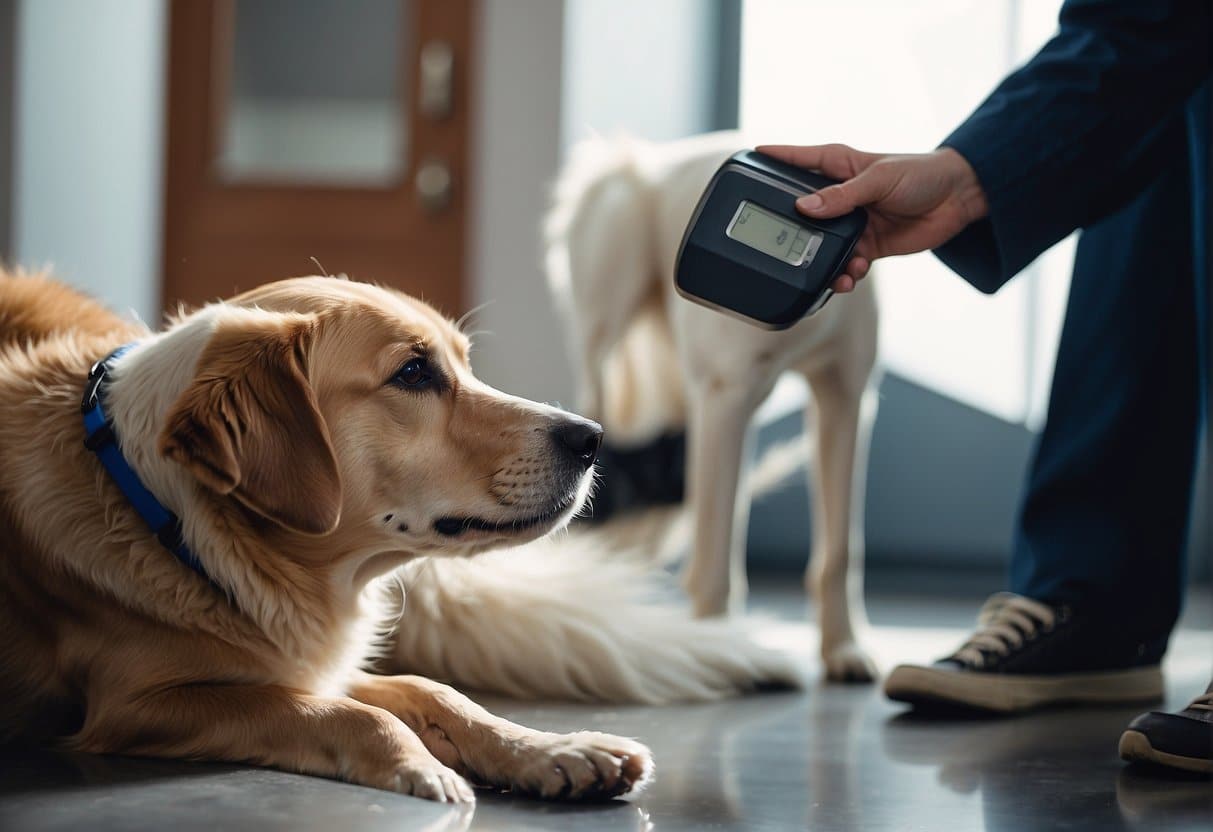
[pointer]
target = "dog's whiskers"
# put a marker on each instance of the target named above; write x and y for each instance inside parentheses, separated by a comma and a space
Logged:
(323, 270)
(466, 316)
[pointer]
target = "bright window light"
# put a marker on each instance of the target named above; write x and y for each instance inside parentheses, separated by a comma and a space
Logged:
(886, 75)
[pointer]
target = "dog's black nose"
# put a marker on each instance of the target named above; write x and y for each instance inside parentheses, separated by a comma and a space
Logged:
(580, 436)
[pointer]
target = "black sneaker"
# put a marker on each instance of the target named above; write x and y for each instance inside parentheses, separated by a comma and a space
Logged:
(1181, 740)
(1026, 654)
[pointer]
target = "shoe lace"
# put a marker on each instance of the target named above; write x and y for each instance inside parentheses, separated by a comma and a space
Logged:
(1005, 622)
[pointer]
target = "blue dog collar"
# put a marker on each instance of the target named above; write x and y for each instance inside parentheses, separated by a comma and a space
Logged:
(99, 437)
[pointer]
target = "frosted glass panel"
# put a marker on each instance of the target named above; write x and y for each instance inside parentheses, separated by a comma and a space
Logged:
(315, 92)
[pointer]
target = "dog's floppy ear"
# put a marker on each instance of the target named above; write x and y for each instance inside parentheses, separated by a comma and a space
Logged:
(249, 424)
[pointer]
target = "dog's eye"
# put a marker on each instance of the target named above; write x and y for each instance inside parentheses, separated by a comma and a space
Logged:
(416, 373)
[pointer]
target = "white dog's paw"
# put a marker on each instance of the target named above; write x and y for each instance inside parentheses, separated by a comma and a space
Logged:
(848, 662)
(582, 766)
(428, 779)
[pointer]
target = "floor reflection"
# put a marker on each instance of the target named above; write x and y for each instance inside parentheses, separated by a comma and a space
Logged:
(1057, 768)
(832, 757)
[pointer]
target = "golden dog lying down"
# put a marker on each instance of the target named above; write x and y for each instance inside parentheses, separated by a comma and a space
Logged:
(308, 434)
(313, 436)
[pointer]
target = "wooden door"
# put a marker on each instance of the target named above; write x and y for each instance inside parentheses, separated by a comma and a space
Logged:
(327, 132)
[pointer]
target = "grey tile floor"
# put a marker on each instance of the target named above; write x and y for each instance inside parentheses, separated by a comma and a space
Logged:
(828, 758)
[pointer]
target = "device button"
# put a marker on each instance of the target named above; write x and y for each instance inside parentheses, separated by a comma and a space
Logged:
(814, 245)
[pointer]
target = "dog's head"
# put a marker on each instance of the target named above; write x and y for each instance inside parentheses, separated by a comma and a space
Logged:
(339, 409)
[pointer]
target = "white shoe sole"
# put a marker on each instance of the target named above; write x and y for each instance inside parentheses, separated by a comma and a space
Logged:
(1008, 693)
(1135, 746)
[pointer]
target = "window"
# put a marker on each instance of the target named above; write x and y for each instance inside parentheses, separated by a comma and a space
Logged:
(896, 76)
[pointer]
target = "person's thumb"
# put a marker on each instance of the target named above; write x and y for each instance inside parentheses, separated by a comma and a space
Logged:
(836, 200)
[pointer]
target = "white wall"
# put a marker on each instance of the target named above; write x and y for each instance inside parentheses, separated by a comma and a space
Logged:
(88, 150)
(627, 65)
(637, 66)
(516, 152)
(8, 19)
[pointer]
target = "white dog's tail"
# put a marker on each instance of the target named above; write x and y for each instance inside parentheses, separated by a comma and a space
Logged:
(570, 620)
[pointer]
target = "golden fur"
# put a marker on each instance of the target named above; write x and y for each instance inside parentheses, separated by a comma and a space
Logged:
(302, 472)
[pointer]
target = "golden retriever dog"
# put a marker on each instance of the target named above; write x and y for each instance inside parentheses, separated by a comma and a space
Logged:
(651, 361)
(311, 436)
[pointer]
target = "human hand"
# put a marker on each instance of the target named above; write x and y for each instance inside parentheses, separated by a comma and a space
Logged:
(914, 202)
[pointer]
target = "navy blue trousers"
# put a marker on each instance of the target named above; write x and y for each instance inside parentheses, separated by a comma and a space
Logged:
(1105, 514)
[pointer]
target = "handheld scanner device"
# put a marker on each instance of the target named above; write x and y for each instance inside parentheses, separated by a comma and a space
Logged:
(749, 253)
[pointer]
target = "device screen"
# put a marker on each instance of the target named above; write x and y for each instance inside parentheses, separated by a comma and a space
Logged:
(766, 231)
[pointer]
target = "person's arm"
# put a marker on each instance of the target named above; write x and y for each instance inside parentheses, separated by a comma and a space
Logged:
(1060, 143)
(1069, 138)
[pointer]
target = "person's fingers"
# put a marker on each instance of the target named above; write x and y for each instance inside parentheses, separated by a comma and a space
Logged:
(836, 200)
(834, 160)
(855, 271)
(866, 247)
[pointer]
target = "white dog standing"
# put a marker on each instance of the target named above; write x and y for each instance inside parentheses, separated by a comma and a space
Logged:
(620, 210)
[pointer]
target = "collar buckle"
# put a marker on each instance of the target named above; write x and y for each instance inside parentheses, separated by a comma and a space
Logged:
(96, 375)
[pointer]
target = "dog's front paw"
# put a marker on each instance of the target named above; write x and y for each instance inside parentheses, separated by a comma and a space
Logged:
(435, 783)
(428, 779)
(582, 766)
(848, 662)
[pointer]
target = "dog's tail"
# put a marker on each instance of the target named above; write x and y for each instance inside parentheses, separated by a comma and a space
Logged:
(571, 620)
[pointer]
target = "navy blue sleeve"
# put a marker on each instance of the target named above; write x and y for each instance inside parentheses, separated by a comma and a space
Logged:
(1070, 137)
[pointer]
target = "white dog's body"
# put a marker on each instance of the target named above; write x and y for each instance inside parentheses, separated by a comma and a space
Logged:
(621, 208)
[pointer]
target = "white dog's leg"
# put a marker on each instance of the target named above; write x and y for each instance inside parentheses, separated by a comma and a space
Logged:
(718, 443)
(591, 345)
(835, 573)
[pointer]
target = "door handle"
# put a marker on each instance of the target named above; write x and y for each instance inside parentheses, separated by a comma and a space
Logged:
(433, 185)
(437, 64)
